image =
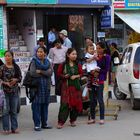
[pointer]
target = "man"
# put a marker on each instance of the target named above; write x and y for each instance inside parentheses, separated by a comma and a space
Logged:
(57, 55)
(41, 43)
(89, 42)
(63, 34)
(51, 38)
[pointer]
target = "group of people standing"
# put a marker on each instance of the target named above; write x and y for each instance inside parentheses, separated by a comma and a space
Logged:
(68, 71)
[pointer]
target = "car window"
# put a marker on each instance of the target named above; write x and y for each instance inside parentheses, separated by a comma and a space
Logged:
(123, 59)
(137, 56)
(128, 55)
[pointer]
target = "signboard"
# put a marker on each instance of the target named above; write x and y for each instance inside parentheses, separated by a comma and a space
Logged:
(31, 1)
(107, 17)
(2, 1)
(132, 4)
(1, 28)
(119, 3)
(88, 2)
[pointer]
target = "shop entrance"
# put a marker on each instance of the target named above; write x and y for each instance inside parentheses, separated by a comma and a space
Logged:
(59, 22)
(74, 24)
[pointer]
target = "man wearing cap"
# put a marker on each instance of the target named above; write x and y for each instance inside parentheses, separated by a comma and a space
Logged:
(63, 34)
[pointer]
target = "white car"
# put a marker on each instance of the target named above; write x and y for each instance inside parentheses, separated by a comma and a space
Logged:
(128, 76)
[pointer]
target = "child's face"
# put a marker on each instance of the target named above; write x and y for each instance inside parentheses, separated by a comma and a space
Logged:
(90, 50)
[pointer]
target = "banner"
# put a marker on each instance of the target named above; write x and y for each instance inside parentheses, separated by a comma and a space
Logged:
(2, 1)
(132, 4)
(31, 1)
(1, 28)
(119, 3)
(88, 2)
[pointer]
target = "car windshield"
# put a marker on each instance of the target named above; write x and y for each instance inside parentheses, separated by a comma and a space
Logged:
(137, 56)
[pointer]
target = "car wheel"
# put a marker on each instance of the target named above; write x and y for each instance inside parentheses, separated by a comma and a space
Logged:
(135, 103)
(119, 95)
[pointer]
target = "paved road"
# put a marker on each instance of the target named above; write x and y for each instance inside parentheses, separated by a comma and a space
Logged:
(121, 129)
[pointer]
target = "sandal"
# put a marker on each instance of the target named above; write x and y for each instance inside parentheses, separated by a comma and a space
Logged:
(72, 124)
(91, 121)
(101, 122)
(15, 131)
(6, 132)
(59, 126)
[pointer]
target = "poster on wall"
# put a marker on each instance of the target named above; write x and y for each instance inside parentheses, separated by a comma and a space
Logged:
(132, 4)
(31, 1)
(76, 23)
(1, 33)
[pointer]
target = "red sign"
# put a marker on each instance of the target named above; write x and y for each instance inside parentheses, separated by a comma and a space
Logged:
(119, 4)
(2, 1)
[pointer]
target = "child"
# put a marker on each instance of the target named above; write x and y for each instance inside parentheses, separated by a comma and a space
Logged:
(91, 65)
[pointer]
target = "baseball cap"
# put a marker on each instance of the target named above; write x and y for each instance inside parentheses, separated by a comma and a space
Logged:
(64, 32)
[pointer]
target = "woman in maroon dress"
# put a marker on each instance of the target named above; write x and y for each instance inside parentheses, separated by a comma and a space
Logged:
(71, 96)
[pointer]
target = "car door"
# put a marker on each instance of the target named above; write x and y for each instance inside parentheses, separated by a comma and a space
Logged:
(125, 70)
(120, 71)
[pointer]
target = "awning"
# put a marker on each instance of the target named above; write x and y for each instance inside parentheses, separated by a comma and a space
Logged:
(132, 18)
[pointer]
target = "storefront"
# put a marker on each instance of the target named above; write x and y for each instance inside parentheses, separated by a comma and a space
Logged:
(3, 32)
(24, 21)
(38, 16)
(127, 15)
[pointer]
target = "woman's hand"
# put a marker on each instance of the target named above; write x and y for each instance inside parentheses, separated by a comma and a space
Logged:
(7, 84)
(13, 81)
(73, 77)
(38, 71)
(66, 76)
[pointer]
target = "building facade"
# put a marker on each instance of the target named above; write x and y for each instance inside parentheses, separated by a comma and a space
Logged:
(23, 22)
(127, 15)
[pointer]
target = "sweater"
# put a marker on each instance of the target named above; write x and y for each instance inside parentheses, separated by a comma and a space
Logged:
(104, 64)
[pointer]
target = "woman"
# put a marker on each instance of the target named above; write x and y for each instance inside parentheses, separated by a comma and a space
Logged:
(10, 75)
(71, 96)
(97, 91)
(115, 59)
(42, 70)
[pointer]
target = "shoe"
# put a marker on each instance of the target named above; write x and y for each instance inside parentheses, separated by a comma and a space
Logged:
(101, 122)
(91, 121)
(37, 128)
(46, 127)
(59, 126)
(15, 131)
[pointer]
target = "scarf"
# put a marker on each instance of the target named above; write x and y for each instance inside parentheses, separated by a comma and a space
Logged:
(73, 71)
(40, 65)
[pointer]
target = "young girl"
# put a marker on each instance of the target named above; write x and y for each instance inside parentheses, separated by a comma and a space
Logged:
(10, 75)
(97, 91)
(71, 96)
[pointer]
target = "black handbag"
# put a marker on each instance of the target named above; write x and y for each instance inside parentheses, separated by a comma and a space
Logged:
(30, 81)
(31, 85)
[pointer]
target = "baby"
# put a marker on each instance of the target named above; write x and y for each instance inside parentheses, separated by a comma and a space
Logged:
(91, 65)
